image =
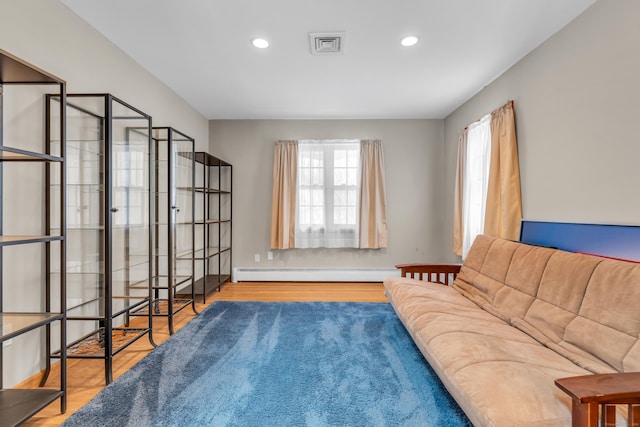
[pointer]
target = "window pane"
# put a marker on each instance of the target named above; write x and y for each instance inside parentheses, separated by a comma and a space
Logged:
(339, 215)
(351, 215)
(317, 176)
(351, 197)
(305, 197)
(353, 158)
(317, 216)
(305, 176)
(352, 176)
(340, 176)
(317, 159)
(305, 158)
(339, 197)
(317, 198)
(340, 158)
(304, 215)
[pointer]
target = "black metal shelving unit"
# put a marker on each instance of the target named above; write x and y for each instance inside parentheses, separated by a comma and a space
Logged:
(173, 155)
(214, 184)
(109, 219)
(43, 238)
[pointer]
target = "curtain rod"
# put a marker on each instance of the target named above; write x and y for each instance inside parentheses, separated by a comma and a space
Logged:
(509, 102)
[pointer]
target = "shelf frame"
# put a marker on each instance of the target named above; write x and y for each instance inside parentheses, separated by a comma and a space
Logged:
(107, 145)
(169, 144)
(213, 168)
(18, 405)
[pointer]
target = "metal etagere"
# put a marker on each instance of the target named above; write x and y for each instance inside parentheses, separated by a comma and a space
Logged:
(213, 210)
(173, 203)
(109, 217)
(32, 233)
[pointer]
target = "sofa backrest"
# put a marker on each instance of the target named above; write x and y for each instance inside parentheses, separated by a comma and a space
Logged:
(584, 307)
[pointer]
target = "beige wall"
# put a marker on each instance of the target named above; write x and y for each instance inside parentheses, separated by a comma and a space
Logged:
(577, 102)
(413, 161)
(48, 35)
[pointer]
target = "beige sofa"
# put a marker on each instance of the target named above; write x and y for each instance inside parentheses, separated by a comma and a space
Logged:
(518, 317)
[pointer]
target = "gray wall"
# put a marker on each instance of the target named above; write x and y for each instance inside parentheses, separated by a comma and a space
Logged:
(577, 104)
(48, 35)
(413, 160)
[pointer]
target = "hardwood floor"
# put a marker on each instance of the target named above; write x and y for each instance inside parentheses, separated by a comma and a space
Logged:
(85, 378)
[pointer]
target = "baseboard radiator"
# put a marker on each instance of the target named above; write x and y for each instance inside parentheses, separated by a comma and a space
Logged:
(313, 274)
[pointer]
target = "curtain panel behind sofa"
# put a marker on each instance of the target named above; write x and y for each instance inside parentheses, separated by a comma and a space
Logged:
(458, 225)
(504, 199)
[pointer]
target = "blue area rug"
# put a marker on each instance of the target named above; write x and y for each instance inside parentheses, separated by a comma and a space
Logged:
(280, 364)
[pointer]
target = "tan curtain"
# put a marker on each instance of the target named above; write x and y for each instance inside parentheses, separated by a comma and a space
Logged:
(504, 200)
(459, 194)
(283, 195)
(373, 200)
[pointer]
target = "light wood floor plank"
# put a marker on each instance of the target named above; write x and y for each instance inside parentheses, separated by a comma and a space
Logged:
(85, 378)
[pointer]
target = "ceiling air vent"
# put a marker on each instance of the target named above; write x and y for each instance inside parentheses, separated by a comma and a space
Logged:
(326, 43)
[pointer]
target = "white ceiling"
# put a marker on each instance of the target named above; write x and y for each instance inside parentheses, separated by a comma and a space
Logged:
(201, 49)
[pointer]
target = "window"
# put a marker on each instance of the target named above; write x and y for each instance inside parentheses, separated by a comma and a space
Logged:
(476, 173)
(328, 189)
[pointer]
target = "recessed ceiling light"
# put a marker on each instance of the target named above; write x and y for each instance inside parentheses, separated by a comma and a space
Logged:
(260, 43)
(409, 41)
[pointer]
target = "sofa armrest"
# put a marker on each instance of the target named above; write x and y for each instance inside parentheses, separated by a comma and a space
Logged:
(436, 273)
(588, 392)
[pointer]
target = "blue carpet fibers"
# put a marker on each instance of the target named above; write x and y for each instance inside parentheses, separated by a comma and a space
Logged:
(280, 364)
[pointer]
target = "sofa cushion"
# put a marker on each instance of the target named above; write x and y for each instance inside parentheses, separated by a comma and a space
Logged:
(608, 323)
(581, 306)
(560, 293)
(502, 276)
(499, 375)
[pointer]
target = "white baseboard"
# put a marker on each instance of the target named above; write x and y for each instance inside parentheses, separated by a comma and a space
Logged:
(242, 274)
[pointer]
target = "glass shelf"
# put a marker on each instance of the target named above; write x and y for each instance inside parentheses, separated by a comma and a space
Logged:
(86, 147)
(211, 221)
(14, 324)
(179, 255)
(18, 405)
(202, 254)
(210, 190)
(9, 154)
(18, 240)
(92, 308)
(162, 282)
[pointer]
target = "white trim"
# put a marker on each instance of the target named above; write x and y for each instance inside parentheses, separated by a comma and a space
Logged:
(313, 274)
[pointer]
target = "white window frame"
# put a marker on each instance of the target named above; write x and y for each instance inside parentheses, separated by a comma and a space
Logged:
(324, 232)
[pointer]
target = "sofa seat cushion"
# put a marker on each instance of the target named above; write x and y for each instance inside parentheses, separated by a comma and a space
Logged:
(499, 375)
